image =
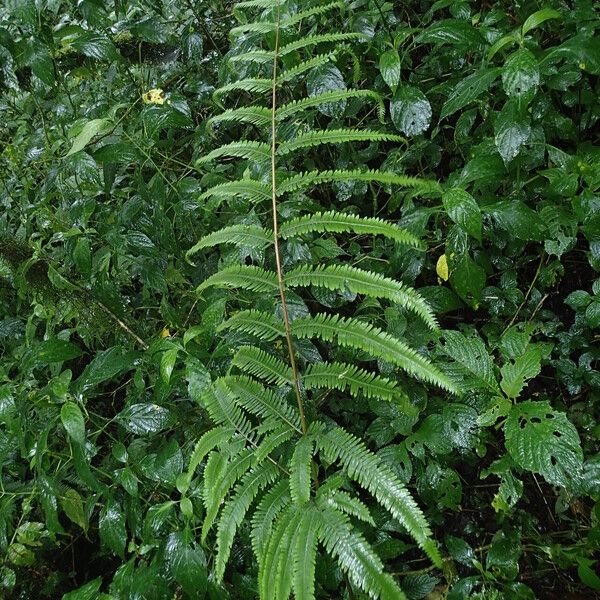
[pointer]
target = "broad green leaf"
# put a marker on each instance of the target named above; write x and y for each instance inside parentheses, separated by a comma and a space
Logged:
(187, 565)
(518, 219)
(389, 66)
(544, 441)
(72, 504)
(586, 570)
(167, 362)
(88, 591)
(512, 130)
(451, 31)
(105, 365)
(463, 209)
(20, 555)
(37, 56)
(73, 421)
(515, 373)
(475, 362)
(327, 78)
(467, 279)
(537, 18)
(112, 527)
(89, 131)
(504, 553)
(142, 419)
(520, 74)
(55, 350)
(82, 256)
(410, 110)
(467, 89)
(95, 45)
(592, 314)
(504, 41)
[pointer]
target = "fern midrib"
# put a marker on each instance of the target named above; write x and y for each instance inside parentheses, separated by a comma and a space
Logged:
(286, 320)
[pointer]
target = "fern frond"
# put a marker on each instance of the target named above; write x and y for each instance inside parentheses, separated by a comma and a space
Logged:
(263, 27)
(300, 466)
(269, 507)
(307, 179)
(335, 136)
(363, 336)
(253, 115)
(337, 222)
(235, 509)
(298, 106)
(272, 441)
(208, 442)
(263, 365)
(250, 85)
(266, 56)
(251, 236)
(319, 9)
(344, 502)
(218, 485)
(263, 325)
(254, 191)
(367, 469)
(264, 4)
(261, 401)
(312, 40)
(305, 557)
(359, 281)
(246, 150)
(218, 401)
(339, 376)
(253, 28)
(304, 66)
(272, 576)
(247, 277)
(355, 556)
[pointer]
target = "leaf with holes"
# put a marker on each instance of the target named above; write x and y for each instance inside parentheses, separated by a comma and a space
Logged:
(516, 372)
(521, 74)
(544, 441)
(410, 109)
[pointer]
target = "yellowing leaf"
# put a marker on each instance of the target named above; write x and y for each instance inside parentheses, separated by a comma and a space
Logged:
(165, 333)
(441, 268)
(153, 96)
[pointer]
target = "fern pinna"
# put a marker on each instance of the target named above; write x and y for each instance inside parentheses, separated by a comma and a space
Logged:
(274, 458)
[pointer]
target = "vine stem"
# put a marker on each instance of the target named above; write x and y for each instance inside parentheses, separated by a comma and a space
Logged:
(286, 319)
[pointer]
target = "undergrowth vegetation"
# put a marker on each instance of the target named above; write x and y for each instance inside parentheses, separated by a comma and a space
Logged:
(299, 299)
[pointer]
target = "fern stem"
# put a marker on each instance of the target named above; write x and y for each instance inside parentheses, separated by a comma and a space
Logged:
(286, 320)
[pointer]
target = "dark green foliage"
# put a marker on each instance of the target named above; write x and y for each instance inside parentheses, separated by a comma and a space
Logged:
(437, 187)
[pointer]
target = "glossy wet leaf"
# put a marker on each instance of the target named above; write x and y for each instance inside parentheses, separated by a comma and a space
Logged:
(410, 110)
(112, 527)
(143, 419)
(544, 441)
(389, 65)
(73, 421)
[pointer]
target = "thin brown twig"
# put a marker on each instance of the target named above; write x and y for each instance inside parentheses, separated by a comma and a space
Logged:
(537, 274)
(286, 320)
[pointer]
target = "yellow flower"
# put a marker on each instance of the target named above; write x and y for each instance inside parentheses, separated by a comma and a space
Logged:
(153, 96)
(165, 333)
